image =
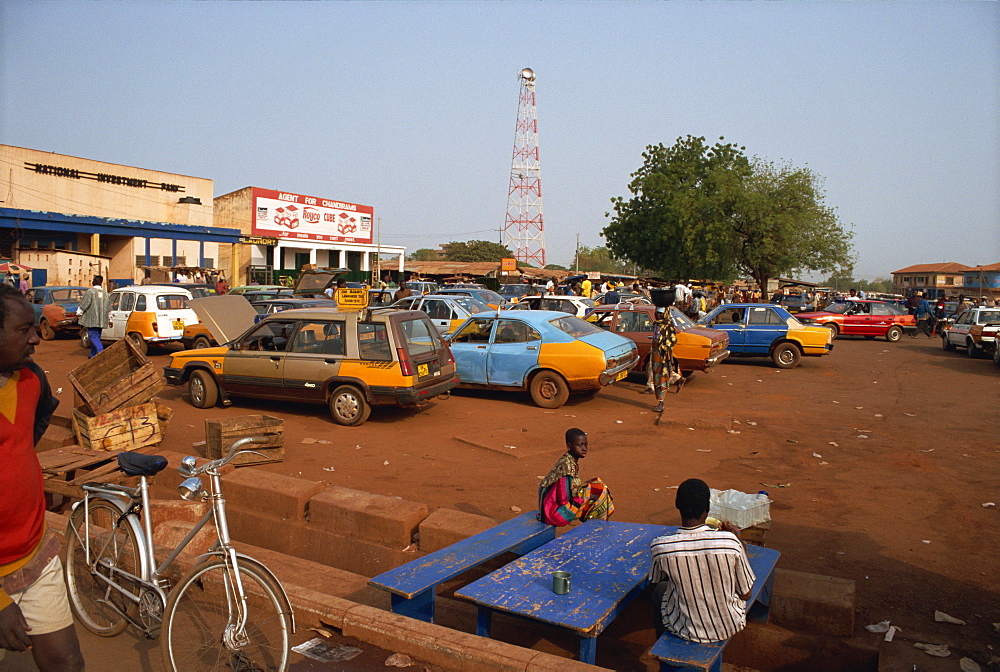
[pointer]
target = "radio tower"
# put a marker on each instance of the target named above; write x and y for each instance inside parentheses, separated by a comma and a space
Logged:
(522, 231)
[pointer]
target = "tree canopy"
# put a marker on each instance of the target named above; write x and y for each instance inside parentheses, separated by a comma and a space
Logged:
(597, 259)
(711, 212)
(476, 250)
(423, 254)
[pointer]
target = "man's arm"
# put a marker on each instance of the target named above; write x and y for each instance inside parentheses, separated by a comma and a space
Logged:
(13, 629)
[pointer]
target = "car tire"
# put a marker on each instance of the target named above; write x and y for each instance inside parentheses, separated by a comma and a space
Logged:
(894, 334)
(45, 330)
(139, 342)
(202, 390)
(785, 356)
(971, 350)
(348, 406)
(201, 343)
(549, 390)
(833, 327)
(946, 344)
(84, 338)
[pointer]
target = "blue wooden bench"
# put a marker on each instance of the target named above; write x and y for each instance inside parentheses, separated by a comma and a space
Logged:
(675, 653)
(412, 586)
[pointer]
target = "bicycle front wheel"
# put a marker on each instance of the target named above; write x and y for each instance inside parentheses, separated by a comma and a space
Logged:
(199, 623)
(96, 546)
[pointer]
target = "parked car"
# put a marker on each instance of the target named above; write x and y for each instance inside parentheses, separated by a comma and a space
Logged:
(766, 330)
(626, 297)
(243, 289)
(863, 318)
(697, 348)
(513, 293)
(548, 354)
(793, 303)
(447, 311)
(422, 286)
(198, 290)
(573, 305)
(268, 294)
(487, 296)
(349, 361)
(55, 309)
(148, 315)
(974, 330)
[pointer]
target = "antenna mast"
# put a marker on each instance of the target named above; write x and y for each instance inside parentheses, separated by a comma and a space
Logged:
(523, 232)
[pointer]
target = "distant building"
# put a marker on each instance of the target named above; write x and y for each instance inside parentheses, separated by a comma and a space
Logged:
(983, 281)
(934, 280)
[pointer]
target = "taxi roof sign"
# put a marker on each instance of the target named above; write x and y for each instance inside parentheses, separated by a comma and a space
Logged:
(350, 299)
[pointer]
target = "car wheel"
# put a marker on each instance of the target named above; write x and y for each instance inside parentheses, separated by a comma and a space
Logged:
(203, 391)
(971, 350)
(348, 406)
(894, 334)
(84, 339)
(549, 390)
(46, 331)
(139, 342)
(832, 326)
(785, 356)
(946, 344)
(201, 343)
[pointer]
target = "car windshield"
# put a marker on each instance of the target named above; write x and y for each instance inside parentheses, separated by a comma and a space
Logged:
(839, 308)
(516, 290)
(421, 337)
(574, 326)
(171, 301)
(681, 321)
(489, 296)
(472, 305)
(67, 295)
(988, 316)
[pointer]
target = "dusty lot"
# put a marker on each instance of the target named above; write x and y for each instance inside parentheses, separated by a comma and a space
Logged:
(883, 456)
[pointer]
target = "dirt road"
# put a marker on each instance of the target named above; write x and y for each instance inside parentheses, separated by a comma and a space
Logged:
(879, 458)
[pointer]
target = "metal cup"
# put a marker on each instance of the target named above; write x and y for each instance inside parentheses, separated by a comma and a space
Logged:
(560, 582)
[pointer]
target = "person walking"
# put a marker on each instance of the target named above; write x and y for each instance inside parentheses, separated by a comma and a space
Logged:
(662, 365)
(93, 311)
(924, 315)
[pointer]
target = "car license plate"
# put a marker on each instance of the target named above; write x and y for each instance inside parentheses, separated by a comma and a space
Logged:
(422, 370)
(621, 375)
(178, 325)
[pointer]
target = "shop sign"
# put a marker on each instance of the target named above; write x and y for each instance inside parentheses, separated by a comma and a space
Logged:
(107, 178)
(508, 264)
(285, 215)
(259, 240)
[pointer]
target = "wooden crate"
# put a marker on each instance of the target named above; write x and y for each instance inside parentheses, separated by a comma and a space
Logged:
(118, 377)
(222, 433)
(65, 469)
(124, 429)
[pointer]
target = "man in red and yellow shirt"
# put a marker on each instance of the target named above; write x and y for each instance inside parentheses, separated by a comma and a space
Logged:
(34, 607)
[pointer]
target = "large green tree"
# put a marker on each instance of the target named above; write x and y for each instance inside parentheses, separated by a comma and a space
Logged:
(423, 254)
(598, 259)
(476, 250)
(700, 211)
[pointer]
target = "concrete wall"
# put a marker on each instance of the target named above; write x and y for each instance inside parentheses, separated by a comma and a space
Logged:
(65, 267)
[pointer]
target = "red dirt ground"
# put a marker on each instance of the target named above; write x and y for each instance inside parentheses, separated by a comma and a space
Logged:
(906, 431)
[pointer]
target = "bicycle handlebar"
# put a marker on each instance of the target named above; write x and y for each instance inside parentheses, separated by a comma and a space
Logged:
(233, 452)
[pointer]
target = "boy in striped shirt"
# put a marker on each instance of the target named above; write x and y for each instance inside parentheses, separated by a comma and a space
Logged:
(702, 576)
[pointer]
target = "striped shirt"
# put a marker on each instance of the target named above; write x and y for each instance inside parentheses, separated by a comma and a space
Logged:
(706, 571)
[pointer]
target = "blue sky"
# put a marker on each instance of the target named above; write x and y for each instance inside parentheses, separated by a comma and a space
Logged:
(410, 106)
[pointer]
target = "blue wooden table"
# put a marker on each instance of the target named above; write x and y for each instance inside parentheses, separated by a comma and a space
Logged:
(608, 561)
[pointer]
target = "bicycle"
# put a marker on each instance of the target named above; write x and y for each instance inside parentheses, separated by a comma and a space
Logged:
(229, 612)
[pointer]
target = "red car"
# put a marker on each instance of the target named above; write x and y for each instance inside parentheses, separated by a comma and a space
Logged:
(858, 317)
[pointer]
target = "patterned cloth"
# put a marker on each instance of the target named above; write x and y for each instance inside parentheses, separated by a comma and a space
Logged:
(563, 497)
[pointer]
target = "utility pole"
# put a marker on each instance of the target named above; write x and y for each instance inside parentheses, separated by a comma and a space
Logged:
(577, 255)
(523, 229)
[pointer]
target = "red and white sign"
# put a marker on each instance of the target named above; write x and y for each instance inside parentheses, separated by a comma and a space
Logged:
(297, 217)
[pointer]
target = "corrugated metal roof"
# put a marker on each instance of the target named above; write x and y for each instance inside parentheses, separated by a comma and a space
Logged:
(943, 267)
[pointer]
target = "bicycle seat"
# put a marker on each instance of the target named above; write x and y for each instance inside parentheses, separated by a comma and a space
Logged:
(137, 464)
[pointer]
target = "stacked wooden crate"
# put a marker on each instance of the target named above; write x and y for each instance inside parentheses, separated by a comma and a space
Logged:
(220, 434)
(116, 410)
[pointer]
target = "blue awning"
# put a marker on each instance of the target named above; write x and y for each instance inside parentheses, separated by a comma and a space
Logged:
(12, 218)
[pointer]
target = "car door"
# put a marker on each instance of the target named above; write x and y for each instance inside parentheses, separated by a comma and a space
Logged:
(470, 346)
(764, 326)
(857, 320)
(881, 319)
(732, 320)
(960, 329)
(513, 353)
(36, 297)
(439, 310)
(637, 325)
(254, 365)
(314, 355)
(120, 312)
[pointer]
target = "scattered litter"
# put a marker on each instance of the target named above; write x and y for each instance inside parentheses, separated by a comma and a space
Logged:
(926, 541)
(939, 650)
(925, 450)
(882, 626)
(892, 633)
(706, 450)
(878, 415)
(515, 509)
(511, 447)
(863, 431)
(308, 441)
(760, 381)
(386, 463)
(836, 402)
(862, 436)
(942, 617)
(818, 455)
(969, 665)
(751, 423)
(59, 391)
(824, 462)
(791, 440)
(755, 452)
(691, 428)
(357, 446)
(324, 652)
(538, 477)
(674, 487)
(324, 442)
(989, 505)
(329, 469)
(874, 382)
(656, 489)
(569, 416)
(859, 407)
(736, 422)
(966, 455)
(834, 444)
(910, 415)
(728, 383)
(779, 485)
(398, 660)
(619, 422)
(733, 431)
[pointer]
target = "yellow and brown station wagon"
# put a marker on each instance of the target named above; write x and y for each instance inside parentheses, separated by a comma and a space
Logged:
(348, 360)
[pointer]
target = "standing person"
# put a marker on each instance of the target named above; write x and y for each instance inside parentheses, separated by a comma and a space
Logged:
(924, 315)
(563, 497)
(402, 292)
(612, 297)
(221, 286)
(93, 311)
(146, 280)
(702, 576)
(662, 365)
(34, 606)
(585, 288)
(24, 284)
(550, 286)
